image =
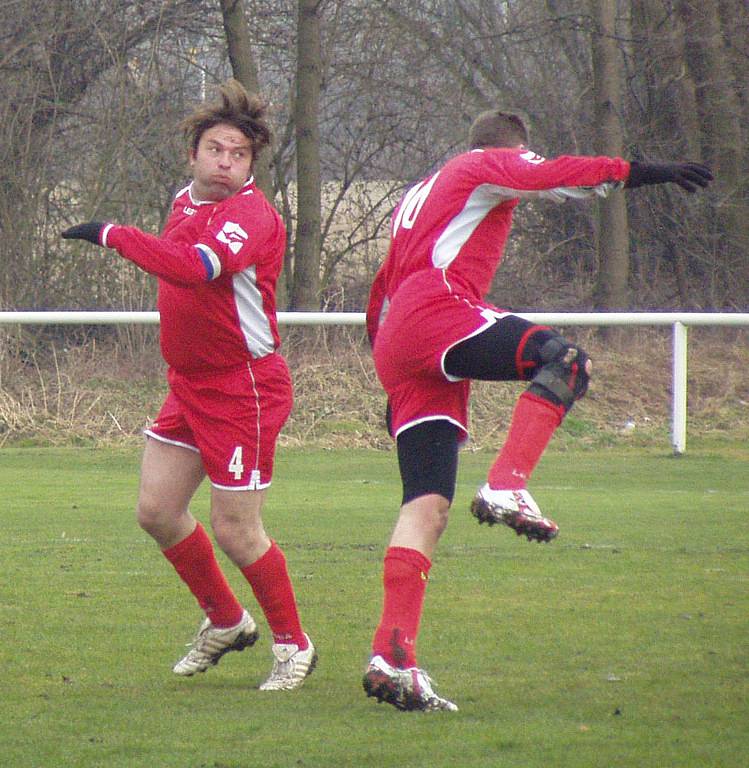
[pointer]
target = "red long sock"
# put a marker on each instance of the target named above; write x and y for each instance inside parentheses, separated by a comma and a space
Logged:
(269, 579)
(405, 576)
(533, 423)
(195, 561)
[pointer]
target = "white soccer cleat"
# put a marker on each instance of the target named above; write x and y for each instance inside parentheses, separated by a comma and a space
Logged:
(406, 689)
(514, 508)
(291, 667)
(211, 643)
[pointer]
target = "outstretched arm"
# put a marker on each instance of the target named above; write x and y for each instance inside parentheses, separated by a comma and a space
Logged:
(178, 264)
(245, 230)
(528, 175)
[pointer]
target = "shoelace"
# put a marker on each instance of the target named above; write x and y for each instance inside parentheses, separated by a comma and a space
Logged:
(197, 645)
(193, 644)
(283, 668)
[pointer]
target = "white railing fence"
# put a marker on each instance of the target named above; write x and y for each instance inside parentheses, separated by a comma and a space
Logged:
(679, 321)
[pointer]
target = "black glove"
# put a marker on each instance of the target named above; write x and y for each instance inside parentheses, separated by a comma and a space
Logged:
(688, 176)
(90, 231)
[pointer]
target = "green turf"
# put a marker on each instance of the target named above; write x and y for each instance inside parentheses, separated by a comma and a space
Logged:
(623, 643)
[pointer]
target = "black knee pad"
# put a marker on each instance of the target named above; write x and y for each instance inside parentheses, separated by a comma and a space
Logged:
(562, 371)
(428, 459)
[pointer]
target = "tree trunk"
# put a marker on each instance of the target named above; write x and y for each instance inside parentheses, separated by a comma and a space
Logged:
(244, 69)
(668, 120)
(720, 113)
(305, 291)
(613, 237)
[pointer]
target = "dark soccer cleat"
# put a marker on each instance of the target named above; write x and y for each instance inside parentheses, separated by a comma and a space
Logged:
(514, 508)
(211, 643)
(406, 689)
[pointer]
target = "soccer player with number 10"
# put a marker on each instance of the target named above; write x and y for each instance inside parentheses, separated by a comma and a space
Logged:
(432, 332)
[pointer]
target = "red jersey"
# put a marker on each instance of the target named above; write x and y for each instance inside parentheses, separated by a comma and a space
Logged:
(217, 265)
(458, 219)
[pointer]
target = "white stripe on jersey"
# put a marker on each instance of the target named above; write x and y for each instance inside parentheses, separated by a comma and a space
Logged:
(560, 194)
(253, 321)
(487, 196)
(461, 227)
(258, 408)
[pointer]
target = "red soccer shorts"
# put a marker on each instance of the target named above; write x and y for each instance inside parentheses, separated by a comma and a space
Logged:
(232, 418)
(426, 318)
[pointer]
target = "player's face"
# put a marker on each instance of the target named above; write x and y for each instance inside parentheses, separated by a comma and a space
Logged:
(221, 163)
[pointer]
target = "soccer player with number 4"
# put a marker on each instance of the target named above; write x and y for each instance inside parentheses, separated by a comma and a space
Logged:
(217, 263)
(432, 332)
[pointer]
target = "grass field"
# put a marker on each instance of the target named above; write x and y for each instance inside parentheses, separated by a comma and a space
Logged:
(623, 643)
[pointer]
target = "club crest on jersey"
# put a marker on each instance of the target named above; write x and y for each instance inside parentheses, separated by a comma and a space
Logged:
(233, 235)
(532, 157)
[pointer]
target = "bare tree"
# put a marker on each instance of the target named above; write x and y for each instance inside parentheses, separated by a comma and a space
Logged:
(244, 69)
(613, 235)
(662, 122)
(539, 57)
(720, 114)
(72, 86)
(684, 252)
(305, 291)
(90, 93)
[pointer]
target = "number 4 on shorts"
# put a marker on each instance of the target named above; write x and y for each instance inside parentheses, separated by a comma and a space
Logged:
(235, 463)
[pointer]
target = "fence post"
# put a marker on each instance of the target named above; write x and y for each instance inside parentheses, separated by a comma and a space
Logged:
(679, 394)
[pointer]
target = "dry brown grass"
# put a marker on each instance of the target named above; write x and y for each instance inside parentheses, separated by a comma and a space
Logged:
(103, 393)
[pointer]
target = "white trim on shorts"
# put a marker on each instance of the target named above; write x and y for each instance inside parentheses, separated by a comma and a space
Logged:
(162, 439)
(250, 487)
(436, 417)
(491, 316)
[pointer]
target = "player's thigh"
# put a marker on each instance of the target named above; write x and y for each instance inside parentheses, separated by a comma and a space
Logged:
(493, 353)
(426, 317)
(170, 475)
(428, 459)
(235, 418)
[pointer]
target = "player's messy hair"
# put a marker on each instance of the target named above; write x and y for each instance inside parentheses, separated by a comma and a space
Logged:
(495, 128)
(236, 107)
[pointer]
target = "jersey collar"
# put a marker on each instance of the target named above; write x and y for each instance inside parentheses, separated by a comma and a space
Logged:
(246, 187)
